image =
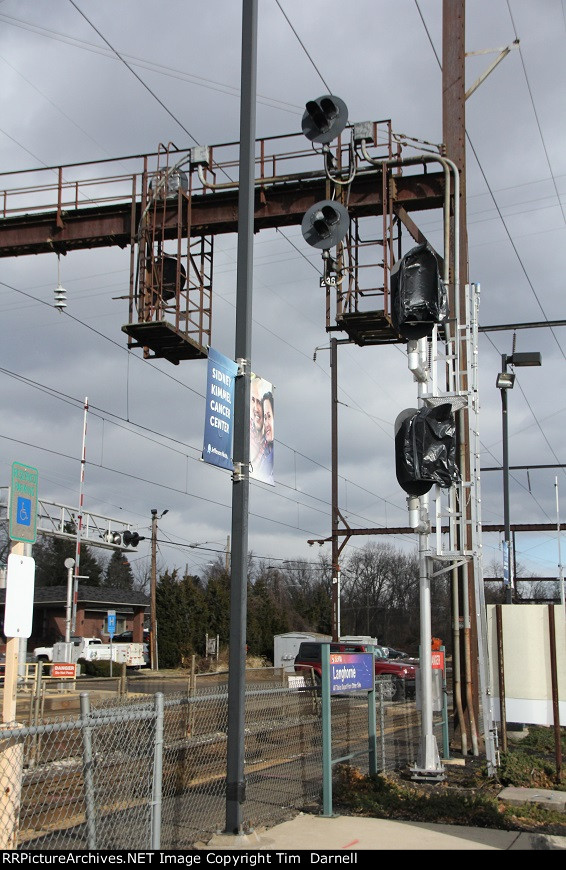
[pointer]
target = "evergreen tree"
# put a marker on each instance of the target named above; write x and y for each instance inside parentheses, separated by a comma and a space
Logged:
(170, 618)
(119, 572)
(50, 553)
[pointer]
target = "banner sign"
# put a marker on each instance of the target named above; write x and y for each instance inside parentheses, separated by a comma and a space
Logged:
(262, 430)
(219, 420)
(351, 672)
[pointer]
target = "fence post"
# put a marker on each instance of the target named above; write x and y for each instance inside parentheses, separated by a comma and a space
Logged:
(372, 741)
(326, 733)
(35, 703)
(88, 771)
(381, 725)
(157, 773)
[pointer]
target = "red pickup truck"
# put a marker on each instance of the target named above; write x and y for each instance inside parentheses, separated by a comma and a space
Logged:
(402, 674)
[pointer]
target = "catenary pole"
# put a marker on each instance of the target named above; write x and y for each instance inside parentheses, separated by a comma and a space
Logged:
(235, 783)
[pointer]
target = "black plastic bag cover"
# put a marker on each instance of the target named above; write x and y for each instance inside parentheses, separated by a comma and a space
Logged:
(418, 295)
(425, 450)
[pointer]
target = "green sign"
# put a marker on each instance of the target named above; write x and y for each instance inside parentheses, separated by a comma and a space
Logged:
(23, 503)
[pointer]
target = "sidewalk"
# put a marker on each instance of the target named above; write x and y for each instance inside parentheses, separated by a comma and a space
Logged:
(319, 834)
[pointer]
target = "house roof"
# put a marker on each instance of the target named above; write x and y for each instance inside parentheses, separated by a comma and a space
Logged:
(57, 595)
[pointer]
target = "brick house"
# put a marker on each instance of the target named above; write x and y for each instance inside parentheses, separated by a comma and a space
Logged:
(93, 603)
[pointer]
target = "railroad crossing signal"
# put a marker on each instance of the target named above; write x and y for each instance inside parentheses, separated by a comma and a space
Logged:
(23, 503)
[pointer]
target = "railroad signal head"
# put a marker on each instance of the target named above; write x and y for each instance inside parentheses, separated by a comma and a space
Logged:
(425, 449)
(324, 118)
(325, 224)
(418, 295)
(131, 539)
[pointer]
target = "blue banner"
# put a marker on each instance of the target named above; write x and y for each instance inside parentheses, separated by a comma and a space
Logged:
(219, 419)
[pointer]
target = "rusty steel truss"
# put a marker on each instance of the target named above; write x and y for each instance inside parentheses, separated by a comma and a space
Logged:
(168, 207)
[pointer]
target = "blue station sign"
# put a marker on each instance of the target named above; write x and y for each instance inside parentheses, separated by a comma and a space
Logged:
(351, 672)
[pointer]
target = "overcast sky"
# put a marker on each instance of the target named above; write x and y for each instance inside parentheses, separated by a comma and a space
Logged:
(84, 81)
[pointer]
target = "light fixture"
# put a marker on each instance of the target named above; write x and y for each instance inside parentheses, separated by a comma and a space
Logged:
(505, 381)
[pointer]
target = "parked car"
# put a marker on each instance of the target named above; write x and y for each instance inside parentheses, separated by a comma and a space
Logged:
(403, 675)
(396, 653)
(127, 636)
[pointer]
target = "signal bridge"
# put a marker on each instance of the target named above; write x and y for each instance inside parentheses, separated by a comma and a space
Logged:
(97, 530)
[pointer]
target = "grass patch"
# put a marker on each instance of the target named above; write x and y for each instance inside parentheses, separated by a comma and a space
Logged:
(468, 796)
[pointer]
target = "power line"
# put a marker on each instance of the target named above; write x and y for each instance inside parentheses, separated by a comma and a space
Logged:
(134, 73)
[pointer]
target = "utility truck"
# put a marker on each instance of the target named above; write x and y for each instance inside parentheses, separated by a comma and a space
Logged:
(91, 649)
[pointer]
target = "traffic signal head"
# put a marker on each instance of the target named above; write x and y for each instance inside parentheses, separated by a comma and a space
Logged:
(418, 295)
(325, 224)
(130, 539)
(425, 449)
(324, 118)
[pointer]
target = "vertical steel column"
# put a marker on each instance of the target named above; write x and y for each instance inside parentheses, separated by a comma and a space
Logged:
(88, 772)
(372, 730)
(334, 449)
(507, 561)
(326, 732)
(235, 783)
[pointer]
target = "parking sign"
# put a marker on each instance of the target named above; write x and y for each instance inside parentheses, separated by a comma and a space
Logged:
(111, 620)
(23, 503)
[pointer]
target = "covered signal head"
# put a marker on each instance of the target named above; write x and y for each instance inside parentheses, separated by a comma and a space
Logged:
(425, 449)
(418, 295)
(324, 118)
(325, 224)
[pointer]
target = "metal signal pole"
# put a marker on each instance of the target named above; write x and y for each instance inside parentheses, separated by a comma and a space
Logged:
(235, 782)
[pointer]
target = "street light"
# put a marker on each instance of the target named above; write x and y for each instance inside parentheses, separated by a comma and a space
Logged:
(505, 381)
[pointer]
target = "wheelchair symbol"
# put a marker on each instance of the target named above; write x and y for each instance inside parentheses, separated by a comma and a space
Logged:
(23, 511)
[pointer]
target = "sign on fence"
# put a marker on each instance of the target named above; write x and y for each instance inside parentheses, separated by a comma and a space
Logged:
(63, 670)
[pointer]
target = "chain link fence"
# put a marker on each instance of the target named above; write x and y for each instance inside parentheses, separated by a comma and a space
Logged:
(149, 772)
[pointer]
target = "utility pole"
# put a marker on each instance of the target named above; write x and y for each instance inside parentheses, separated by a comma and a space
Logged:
(153, 587)
(454, 138)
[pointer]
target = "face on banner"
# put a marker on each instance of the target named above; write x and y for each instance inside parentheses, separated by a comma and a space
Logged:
(262, 430)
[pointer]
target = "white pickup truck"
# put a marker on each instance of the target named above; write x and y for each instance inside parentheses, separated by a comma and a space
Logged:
(92, 649)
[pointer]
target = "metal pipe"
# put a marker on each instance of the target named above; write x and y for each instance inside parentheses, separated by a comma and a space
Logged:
(501, 672)
(156, 798)
(468, 660)
(507, 563)
(334, 450)
(555, 696)
(235, 782)
(456, 663)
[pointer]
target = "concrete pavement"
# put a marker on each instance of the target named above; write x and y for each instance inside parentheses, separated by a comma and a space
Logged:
(346, 835)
